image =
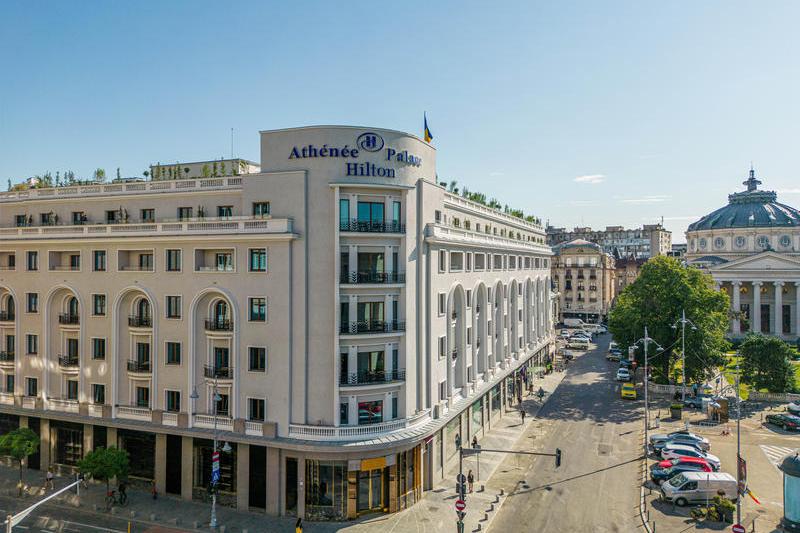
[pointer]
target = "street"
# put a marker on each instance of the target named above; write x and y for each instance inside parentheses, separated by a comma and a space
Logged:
(596, 488)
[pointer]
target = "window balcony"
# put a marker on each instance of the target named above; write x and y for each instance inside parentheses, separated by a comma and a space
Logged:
(371, 326)
(5, 316)
(372, 377)
(68, 361)
(372, 277)
(140, 321)
(6, 357)
(218, 372)
(367, 226)
(215, 324)
(142, 367)
(69, 319)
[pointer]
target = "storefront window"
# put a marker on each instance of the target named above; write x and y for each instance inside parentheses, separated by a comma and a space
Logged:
(495, 399)
(67, 442)
(452, 431)
(227, 465)
(141, 448)
(326, 497)
(477, 416)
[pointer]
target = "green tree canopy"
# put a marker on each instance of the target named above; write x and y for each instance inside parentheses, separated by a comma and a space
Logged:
(105, 463)
(656, 299)
(766, 363)
(19, 444)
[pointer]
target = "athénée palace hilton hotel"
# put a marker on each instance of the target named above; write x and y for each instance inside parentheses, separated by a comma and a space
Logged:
(354, 318)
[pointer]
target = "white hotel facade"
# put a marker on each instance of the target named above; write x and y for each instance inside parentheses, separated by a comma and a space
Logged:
(352, 315)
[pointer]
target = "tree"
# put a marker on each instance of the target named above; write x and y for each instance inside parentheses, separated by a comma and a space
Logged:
(19, 444)
(99, 174)
(206, 172)
(119, 176)
(663, 289)
(105, 463)
(766, 363)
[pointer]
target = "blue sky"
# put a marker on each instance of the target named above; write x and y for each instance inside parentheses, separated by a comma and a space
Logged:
(596, 113)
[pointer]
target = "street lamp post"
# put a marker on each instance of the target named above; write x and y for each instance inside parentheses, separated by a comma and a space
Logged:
(738, 448)
(683, 321)
(216, 399)
(646, 340)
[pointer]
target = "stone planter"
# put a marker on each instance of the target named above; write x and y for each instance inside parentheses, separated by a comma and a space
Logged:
(676, 412)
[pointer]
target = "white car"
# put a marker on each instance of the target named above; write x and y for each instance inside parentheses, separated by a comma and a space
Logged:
(673, 451)
(680, 437)
(623, 374)
(794, 408)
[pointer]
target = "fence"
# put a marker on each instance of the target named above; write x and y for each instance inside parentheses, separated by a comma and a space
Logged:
(780, 397)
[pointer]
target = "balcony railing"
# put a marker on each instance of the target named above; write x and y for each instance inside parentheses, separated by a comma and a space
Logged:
(6, 357)
(134, 365)
(68, 361)
(220, 372)
(66, 318)
(371, 326)
(140, 321)
(373, 277)
(65, 268)
(6, 316)
(372, 377)
(367, 226)
(219, 325)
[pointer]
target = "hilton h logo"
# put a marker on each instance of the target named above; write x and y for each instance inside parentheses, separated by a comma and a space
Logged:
(370, 142)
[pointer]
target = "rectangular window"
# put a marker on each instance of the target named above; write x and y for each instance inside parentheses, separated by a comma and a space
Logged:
(469, 298)
(224, 261)
(99, 304)
(258, 260)
(344, 410)
(173, 401)
(143, 397)
(112, 216)
(173, 306)
(222, 405)
(258, 309)
(469, 335)
(21, 221)
(10, 383)
(469, 262)
(146, 262)
(437, 216)
(255, 409)
(72, 389)
(184, 213)
(98, 393)
(480, 261)
(442, 260)
(32, 302)
(32, 260)
(31, 344)
(396, 213)
(442, 303)
(99, 260)
(456, 261)
(173, 353)
(148, 215)
(260, 209)
(78, 217)
(173, 260)
(31, 386)
(344, 214)
(75, 262)
(370, 412)
(224, 211)
(442, 346)
(257, 358)
(394, 408)
(98, 348)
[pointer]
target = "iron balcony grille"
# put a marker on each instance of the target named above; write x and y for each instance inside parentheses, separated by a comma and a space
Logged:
(220, 372)
(367, 226)
(372, 326)
(370, 377)
(140, 321)
(216, 324)
(372, 277)
(68, 361)
(6, 356)
(66, 318)
(5, 316)
(135, 365)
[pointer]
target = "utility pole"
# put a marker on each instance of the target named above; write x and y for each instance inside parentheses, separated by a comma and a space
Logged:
(738, 449)
(683, 321)
(646, 340)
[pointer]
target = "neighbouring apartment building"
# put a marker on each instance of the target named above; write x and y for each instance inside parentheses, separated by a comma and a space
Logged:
(627, 270)
(337, 316)
(584, 277)
(648, 241)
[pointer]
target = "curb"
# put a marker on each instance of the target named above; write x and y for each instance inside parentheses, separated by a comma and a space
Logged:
(642, 503)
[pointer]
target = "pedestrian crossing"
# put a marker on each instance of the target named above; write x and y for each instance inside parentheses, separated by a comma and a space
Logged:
(775, 454)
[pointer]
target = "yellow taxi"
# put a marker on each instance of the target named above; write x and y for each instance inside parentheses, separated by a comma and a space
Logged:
(628, 391)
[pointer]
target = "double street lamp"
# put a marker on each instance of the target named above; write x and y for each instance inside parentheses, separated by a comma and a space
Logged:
(683, 321)
(645, 341)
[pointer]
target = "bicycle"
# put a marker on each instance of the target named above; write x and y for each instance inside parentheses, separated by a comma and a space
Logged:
(112, 499)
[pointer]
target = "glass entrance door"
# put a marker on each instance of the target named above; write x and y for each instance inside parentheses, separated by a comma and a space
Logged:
(370, 491)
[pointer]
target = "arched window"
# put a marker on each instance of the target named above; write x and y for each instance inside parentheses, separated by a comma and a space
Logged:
(143, 309)
(221, 312)
(72, 306)
(9, 309)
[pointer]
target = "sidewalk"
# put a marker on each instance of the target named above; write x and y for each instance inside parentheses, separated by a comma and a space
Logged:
(434, 513)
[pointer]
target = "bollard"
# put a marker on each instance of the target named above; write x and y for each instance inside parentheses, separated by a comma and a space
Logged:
(485, 517)
(502, 492)
(152, 517)
(481, 489)
(491, 508)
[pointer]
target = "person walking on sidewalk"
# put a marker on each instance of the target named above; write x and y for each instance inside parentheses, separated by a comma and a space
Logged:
(522, 413)
(474, 441)
(470, 480)
(48, 480)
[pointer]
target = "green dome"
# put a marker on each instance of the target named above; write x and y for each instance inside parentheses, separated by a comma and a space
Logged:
(750, 209)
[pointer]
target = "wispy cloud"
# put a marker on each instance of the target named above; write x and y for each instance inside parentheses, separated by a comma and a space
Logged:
(652, 199)
(593, 179)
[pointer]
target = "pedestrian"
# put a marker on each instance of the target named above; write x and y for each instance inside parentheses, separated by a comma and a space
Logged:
(470, 480)
(123, 494)
(153, 489)
(474, 441)
(48, 483)
(522, 414)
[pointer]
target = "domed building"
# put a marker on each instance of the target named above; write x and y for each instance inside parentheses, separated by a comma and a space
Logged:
(751, 247)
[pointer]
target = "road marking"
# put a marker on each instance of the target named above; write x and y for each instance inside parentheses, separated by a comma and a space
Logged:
(105, 529)
(775, 454)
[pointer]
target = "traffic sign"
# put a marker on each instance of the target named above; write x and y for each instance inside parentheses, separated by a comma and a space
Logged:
(460, 505)
(738, 528)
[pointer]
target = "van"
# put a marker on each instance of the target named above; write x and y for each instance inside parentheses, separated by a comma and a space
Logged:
(699, 487)
(573, 322)
(578, 344)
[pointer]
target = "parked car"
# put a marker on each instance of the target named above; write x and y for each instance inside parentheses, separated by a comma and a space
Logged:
(699, 487)
(623, 374)
(613, 356)
(696, 441)
(657, 447)
(625, 363)
(671, 451)
(695, 402)
(564, 334)
(794, 408)
(660, 475)
(628, 391)
(666, 463)
(613, 346)
(578, 344)
(785, 421)
(573, 322)
(671, 435)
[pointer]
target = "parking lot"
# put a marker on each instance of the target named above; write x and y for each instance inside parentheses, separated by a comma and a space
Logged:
(763, 447)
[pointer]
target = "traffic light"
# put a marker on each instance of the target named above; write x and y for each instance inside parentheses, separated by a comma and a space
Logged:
(558, 457)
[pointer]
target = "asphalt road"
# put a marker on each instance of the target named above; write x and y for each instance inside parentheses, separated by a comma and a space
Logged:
(597, 487)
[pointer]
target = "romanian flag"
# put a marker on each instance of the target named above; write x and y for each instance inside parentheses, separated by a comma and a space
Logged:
(428, 135)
